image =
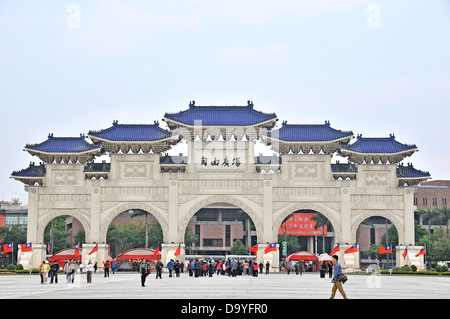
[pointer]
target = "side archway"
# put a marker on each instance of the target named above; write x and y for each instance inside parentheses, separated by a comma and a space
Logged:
(394, 219)
(109, 215)
(48, 217)
(189, 209)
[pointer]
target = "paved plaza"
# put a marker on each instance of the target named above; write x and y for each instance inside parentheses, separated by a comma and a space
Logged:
(272, 286)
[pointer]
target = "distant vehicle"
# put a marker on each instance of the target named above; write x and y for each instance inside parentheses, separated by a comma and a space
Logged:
(205, 257)
(241, 257)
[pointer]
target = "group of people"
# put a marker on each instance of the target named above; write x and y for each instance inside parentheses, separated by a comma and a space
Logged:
(233, 268)
(71, 267)
(196, 267)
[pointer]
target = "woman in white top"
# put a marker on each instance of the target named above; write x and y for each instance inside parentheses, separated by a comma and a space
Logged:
(89, 268)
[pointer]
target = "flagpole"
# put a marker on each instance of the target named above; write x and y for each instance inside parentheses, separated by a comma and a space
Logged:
(425, 256)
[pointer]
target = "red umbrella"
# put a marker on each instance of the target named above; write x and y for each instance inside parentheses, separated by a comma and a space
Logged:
(301, 255)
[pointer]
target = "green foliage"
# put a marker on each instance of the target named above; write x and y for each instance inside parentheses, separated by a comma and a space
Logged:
(19, 267)
(442, 268)
(59, 233)
(238, 248)
(190, 238)
(11, 267)
(13, 234)
(122, 237)
(413, 267)
(292, 243)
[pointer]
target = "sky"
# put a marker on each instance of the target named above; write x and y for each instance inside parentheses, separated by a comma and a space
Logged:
(373, 67)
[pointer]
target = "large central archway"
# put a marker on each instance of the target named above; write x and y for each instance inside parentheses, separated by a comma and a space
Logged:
(329, 213)
(190, 209)
(112, 213)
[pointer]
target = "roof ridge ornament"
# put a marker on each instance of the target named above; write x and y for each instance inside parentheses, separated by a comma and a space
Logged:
(250, 104)
(191, 104)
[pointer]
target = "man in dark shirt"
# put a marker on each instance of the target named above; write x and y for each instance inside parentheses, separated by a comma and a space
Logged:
(143, 270)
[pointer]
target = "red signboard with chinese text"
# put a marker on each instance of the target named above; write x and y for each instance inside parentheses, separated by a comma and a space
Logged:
(300, 224)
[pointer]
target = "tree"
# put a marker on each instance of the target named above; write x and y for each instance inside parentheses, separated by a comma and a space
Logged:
(431, 215)
(13, 234)
(140, 212)
(292, 243)
(444, 215)
(373, 251)
(122, 237)
(238, 248)
(321, 221)
(190, 238)
(58, 226)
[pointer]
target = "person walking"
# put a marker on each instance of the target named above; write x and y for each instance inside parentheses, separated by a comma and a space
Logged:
(170, 267)
(40, 272)
(190, 266)
(159, 266)
(176, 268)
(106, 268)
(73, 269)
(54, 272)
(255, 269)
(143, 270)
(337, 285)
(45, 269)
(114, 267)
(267, 267)
(330, 269)
(234, 267)
(89, 269)
(67, 270)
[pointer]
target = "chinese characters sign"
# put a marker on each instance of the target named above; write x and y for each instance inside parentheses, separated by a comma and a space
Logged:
(300, 224)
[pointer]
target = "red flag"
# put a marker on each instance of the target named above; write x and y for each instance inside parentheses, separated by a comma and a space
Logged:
(26, 247)
(137, 228)
(352, 249)
(8, 248)
(178, 251)
(270, 247)
(156, 251)
(405, 252)
(77, 250)
(254, 249)
(335, 249)
(94, 250)
(422, 251)
(385, 249)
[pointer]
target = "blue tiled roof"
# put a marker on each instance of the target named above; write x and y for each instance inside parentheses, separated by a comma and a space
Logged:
(31, 171)
(344, 168)
(171, 160)
(132, 133)
(410, 172)
(63, 145)
(267, 160)
(221, 115)
(308, 133)
(378, 145)
(97, 167)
